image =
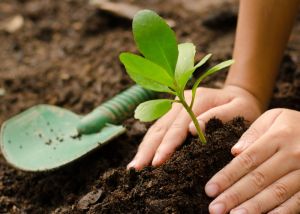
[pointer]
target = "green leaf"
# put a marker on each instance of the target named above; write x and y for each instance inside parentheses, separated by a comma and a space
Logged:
(188, 73)
(150, 84)
(203, 61)
(210, 71)
(152, 110)
(155, 40)
(185, 63)
(146, 73)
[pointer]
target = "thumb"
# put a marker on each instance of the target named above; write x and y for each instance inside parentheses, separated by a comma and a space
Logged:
(256, 131)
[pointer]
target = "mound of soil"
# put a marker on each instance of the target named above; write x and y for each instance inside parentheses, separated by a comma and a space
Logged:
(174, 187)
(66, 54)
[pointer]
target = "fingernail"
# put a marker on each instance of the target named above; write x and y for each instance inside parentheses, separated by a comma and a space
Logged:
(211, 190)
(218, 208)
(131, 164)
(239, 211)
(237, 147)
(156, 160)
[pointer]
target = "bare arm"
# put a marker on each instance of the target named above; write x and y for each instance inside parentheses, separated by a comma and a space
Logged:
(262, 33)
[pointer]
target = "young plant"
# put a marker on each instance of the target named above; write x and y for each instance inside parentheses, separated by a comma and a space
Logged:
(165, 67)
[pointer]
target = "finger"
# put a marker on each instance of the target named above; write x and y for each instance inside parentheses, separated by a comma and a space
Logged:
(256, 130)
(260, 151)
(273, 196)
(252, 183)
(174, 137)
(291, 206)
(153, 138)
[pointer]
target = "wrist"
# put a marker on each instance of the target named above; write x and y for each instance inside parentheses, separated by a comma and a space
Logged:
(256, 80)
(242, 91)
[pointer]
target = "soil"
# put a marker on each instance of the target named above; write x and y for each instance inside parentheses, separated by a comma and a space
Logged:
(176, 186)
(66, 54)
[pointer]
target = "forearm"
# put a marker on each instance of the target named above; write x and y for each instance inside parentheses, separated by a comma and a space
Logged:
(262, 33)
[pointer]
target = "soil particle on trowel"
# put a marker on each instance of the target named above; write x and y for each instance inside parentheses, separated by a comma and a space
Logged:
(76, 136)
(49, 142)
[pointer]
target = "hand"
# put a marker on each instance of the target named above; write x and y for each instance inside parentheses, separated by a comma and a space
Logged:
(265, 176)
(170, 131)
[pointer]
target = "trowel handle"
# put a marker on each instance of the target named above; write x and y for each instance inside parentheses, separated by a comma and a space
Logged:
(114, 110)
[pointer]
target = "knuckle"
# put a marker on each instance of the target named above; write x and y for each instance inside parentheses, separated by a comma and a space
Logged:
(233, 198)
(258, 179)
(227, 177)
(175, 133)
(256, 206)
(280, 192)
(158, 129)
(284, 131)
(246, 160)
(251, 135)
(176, 126)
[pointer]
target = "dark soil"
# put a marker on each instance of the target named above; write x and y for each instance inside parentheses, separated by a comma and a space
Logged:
(66, 54)
(176, 186)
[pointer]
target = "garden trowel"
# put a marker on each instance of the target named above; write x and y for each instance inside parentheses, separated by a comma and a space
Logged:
(46, 137)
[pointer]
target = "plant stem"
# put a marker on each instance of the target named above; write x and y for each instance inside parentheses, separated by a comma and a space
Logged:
(194, 119)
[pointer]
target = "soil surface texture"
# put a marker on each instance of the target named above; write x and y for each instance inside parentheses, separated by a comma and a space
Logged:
(65, 53)
(176, 186)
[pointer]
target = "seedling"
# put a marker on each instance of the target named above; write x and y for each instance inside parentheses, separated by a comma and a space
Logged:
(165, 67)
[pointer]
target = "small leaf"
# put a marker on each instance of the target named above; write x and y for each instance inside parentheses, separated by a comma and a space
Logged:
(187, 75)
(145, 72)
(185, 63)
(203, 61)
(152, 110)
(155, 40)
(217, 67)
(210, 71)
